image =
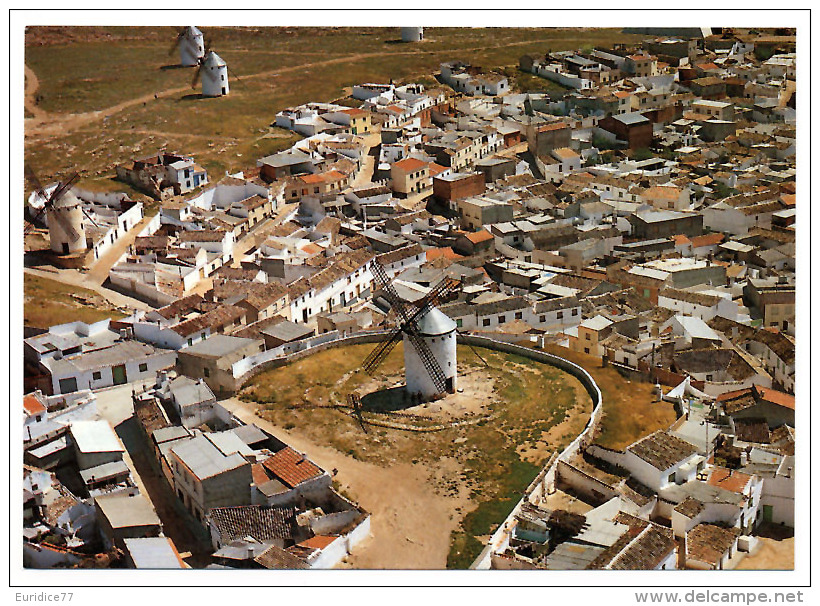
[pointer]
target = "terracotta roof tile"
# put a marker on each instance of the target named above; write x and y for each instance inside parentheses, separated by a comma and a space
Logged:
(32, 405)
(727, 479)
(291, 467)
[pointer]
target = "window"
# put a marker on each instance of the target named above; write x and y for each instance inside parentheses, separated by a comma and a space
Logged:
(485, 322)
(575, 312)
(206, 371)
(671, 478)
(190, 341)
(502, 319)
(143, 367)
(586, 350)
(560, 315)
(97, 375)
(459, 323)
(587, 337)
(542, 319)
(519, 315)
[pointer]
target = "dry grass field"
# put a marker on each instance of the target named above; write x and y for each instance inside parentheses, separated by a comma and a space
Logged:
(97, 96)
(48, 302)
(535, 409)
(631, 409)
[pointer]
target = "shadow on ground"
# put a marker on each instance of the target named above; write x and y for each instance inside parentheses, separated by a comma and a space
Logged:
(186, 533)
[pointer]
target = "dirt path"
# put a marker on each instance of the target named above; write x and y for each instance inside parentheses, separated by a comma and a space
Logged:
(32, 86)
(410, 523)
(98, 273)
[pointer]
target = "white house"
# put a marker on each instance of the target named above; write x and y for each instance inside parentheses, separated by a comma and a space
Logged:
(125, 362)
(660, 460)
(697, 305)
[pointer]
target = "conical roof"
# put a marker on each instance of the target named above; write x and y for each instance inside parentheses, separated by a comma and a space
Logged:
(214, 60)
(67, 200)
(192, 31)
(435, 322)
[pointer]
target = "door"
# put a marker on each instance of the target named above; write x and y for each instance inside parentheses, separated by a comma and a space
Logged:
(768, 513)
(65, 248)
(120, 376)
(224, 92)
(304, 315)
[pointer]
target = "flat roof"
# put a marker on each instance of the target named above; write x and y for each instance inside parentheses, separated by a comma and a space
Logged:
(95, 436)
(153, 553)
(124, 511)
(218, 345)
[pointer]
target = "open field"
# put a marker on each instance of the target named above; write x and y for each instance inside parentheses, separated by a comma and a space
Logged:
(48, 302)
(98, 96)
(483, 467)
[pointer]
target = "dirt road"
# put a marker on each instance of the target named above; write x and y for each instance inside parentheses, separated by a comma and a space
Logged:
(410, 523)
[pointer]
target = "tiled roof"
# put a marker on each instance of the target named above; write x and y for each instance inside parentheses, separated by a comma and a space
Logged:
(728, 479)
(276, 558)
(708, 543)
(211, 319)
(689, 507)
(399, 254)
(445, 252)
(32, 405)
(662, 450)
(652, 546)
(479, 236)
(775, 397)
(202, 235)
(410, 165)
(318, 542)
(261, 523)
(292, 467)
(690, 297)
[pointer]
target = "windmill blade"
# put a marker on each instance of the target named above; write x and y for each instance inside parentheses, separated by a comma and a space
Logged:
(428, 359)
(87, 216)
(61, 189)
(177, 40)
(439, 292)
(196, 75)
(31, 223)
(35, 183)
(65, 224)
(396, 302)
(381, 351)
(475, 351)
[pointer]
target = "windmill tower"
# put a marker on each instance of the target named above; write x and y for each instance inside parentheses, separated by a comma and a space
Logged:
(429, 341)
(439, 333)
(191, 44)
(64, 215)
(412, 34)
(65, 225)
(214, 73)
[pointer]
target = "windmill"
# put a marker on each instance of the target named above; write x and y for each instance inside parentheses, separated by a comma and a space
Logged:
(191, 44)
(429, 340)
(63, 212)
(214, 74)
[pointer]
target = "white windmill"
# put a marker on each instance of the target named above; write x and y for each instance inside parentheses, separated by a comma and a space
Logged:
(63, 213)
(191, 43)
(429, 341)
(214, 74)
(412, 34)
